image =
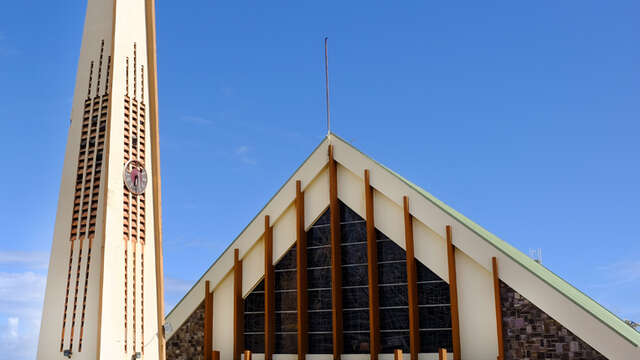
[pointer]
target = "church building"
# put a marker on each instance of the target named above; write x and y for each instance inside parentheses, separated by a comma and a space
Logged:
(350, 260)
(347, 260)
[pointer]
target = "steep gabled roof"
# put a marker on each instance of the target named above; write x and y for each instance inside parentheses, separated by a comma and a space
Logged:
(351, 157)
(540, 271)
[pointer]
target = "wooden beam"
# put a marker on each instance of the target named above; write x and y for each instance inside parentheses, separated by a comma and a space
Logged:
(498, 303)
(397, 354)
(208, 316)
(372, 262)
(336, 269)
(442, 354)
(453, 293)
(301, 265)
(238, 308)
(269, 291)
(412, 283)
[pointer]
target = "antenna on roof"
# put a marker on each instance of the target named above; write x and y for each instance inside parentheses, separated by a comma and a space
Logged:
(536, 255)
(326, 73)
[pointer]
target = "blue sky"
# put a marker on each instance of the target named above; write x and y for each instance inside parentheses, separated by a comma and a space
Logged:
(522, 116)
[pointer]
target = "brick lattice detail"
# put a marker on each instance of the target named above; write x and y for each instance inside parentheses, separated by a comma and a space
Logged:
(529, 333)
(188, 341)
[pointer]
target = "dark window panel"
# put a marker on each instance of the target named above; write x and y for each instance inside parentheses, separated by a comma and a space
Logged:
(355, 320)
(254, 302)
(286, 343)
(390, 251)
(354, 254)
(355, 298)
(348, 215)
(324, 219)
(381, 236)
(286, 300)
(286, 280)
(356, 343)
(254, 342)
(391, 340)
(319, 257)
(354, 275)
(353, 232)
(320, 344)
(319, 299)
(318, 278)
(320, 321)
(260, 286)
(435, 317)
(318, 236)
(286, 322)
(393, 295)
(432, 341)
(394, 319)
(288, 261)
(392, 273)
(433, 293)
(425, 274)
(253, 322)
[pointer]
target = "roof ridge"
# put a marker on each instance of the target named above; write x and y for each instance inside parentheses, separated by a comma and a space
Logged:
(574, 294)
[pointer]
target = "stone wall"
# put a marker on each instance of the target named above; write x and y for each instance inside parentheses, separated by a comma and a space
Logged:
(529, 333)
(188, 341)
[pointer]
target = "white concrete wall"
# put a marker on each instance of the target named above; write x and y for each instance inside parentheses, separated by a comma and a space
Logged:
(223, 317)
(98, 25)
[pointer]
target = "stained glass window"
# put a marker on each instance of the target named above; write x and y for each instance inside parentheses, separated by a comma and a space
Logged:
(319, 286)
(286, 302)
(254, 319)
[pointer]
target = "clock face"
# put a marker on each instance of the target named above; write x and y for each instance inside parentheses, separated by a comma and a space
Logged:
(135, 176)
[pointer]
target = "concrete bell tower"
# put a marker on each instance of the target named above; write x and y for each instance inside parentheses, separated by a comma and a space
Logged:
(104, 294)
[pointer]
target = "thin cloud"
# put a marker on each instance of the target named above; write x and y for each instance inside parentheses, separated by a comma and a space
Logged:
(172, 284)
(242, 152)
(29, 259)
(622, 273)
(21, 297)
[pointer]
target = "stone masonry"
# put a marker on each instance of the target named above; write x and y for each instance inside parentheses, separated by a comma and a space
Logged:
(188, 341)
(530, 334)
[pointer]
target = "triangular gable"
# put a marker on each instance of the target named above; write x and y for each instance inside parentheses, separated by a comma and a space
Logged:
(609, 335)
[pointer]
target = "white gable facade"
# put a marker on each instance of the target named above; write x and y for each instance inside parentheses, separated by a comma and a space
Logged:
(604, 333)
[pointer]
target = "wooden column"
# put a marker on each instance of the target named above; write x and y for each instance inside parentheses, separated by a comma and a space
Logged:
(269, 291)
(412, 283)
(238, 308)
(453, 293)
(336, 270)
(301, 265)
(397, 354)
(372, 262)
(498, 303)
(215, 355)
(442, 354)
(208, 320)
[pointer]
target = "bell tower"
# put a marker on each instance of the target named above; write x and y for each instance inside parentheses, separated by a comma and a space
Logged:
(104, 294)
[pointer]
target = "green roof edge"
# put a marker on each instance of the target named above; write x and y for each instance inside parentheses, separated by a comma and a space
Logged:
(569, 291)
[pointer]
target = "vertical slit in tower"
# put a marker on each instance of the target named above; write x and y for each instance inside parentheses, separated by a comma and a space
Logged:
(135, 71)
(126, 90)
(106, 85)
(100, 67)
(90, 78)
(66, 298)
